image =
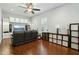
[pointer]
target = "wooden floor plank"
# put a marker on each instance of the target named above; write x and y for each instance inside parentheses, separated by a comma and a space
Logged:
(38, 47)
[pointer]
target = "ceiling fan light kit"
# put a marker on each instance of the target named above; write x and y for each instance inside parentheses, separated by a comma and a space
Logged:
(29, 8)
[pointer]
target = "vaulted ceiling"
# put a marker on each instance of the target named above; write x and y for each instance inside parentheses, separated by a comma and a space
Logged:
(14, 9)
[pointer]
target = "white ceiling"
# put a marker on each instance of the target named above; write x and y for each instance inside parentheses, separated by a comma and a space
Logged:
(6, 7)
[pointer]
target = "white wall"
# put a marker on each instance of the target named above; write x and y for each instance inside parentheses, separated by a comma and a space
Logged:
(0, 26)
(62, 16)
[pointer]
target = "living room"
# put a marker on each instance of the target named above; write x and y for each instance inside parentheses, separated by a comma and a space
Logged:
(39, 31)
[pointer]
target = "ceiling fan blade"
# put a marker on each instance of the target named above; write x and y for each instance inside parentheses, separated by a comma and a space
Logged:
(36, 9)
(22, 7)
(32, 12)
(29, 5)
(25, 11)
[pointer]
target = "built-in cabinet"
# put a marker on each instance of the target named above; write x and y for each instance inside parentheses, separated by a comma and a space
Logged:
(18, 20)
(8, 23)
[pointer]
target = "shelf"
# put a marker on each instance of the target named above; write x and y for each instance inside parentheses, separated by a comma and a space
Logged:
(74, 30)
(74, 42)
(59, 34)
(50, 37)
(59, 39)
(65, 40)
(54, 38)
(74, 36)
(74, 24)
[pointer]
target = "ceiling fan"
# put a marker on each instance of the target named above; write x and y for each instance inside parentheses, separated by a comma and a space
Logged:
(29, 8)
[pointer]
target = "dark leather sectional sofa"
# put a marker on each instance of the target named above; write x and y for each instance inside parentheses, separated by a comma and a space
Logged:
(21, 37)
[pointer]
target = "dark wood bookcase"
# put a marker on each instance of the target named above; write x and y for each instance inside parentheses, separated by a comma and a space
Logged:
(74, 39)
(56, 38)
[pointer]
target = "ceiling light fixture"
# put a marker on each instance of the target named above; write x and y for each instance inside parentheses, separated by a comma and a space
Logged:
(29, 9)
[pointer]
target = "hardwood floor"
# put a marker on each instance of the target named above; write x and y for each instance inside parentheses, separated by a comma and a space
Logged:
(38, 47)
